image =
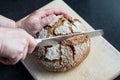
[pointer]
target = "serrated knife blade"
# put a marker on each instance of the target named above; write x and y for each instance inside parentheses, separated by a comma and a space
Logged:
(56, 39)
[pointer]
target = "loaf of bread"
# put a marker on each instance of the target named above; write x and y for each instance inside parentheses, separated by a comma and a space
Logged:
(69, 52)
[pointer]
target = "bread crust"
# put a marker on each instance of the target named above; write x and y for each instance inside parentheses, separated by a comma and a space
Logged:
(70, 52)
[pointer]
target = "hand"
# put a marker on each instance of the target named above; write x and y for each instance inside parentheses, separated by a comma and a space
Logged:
(38, 19)
(14, 45)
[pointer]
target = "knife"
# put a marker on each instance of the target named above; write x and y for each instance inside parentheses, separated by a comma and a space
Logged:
(56, 39)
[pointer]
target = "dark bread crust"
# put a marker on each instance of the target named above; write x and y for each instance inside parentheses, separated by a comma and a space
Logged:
(69, 53)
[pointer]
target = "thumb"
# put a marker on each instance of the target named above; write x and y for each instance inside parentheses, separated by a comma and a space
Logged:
(47, 20)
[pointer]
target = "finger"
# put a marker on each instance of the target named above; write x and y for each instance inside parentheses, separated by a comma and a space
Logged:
(29, 42)
(5, 61)
(55, 11)
(47, 12)
(47, 20)
(25, 52)
(15, 60)
(32, 44)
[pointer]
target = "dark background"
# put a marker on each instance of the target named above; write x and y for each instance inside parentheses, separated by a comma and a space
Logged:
(100, 14)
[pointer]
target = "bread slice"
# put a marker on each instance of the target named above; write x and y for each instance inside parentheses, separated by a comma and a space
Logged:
(69, 52)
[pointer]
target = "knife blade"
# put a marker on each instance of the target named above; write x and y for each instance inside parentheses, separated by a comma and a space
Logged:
(56, 39)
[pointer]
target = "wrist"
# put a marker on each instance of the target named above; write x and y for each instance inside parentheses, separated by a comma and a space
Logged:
(6, 22)
(19, 24)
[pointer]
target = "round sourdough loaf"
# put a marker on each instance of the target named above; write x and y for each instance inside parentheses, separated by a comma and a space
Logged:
(69, 52)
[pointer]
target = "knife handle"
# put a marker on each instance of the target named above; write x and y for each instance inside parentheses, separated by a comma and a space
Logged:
(38, 40)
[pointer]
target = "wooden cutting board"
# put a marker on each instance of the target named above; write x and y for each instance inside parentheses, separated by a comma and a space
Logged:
(103, 62)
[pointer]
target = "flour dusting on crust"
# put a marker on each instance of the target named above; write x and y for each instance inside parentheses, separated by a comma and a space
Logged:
(69, 52)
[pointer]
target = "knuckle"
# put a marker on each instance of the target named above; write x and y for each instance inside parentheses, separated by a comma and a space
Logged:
(15, 60)
(46, 21)
(34, 21)
(17, 55)
(13, 56)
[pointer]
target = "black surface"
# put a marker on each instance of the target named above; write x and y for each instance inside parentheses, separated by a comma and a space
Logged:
(103, 14)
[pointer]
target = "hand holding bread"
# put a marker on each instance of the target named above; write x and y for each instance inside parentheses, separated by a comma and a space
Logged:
(34, 22)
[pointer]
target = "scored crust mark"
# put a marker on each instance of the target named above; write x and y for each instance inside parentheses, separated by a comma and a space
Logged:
(69, 52)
